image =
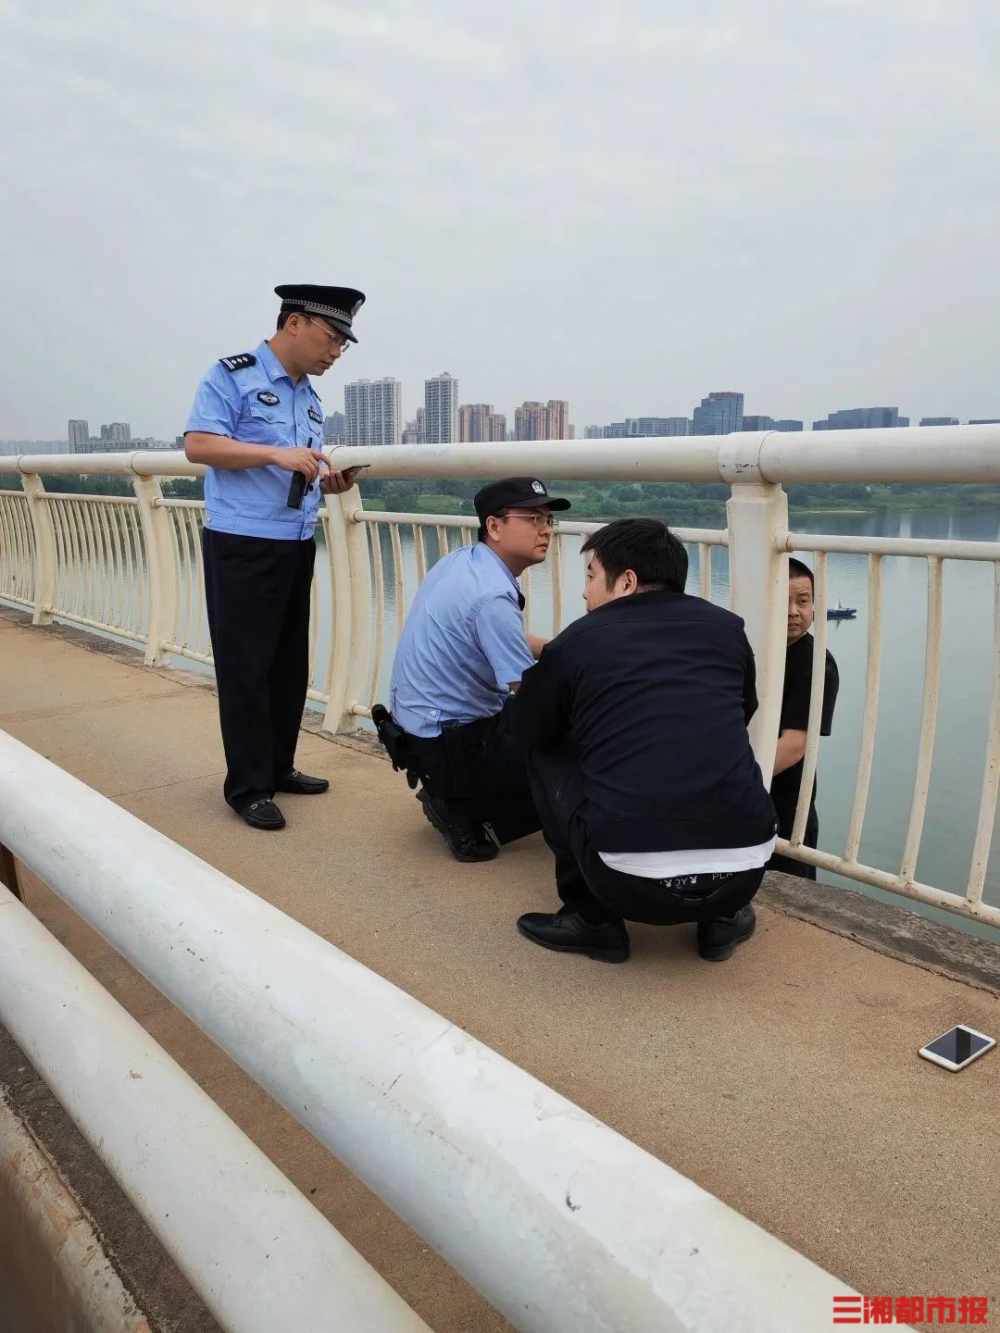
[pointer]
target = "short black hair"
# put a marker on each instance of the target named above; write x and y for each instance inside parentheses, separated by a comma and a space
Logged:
(644, 545)
(285, 315)
(798, 570)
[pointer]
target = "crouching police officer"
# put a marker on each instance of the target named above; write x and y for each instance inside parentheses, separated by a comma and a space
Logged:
(257, 423)
(460, 657)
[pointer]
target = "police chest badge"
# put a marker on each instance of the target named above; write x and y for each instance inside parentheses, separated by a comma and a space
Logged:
(315, 416)
(268, 399)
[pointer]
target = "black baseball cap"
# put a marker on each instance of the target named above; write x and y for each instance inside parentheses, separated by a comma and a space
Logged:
(515, 493)
(335, 305)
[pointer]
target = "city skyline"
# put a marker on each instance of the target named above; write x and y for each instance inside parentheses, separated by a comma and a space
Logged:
(373, 415)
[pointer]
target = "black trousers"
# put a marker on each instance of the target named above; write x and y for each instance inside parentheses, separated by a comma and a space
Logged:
(257, 596)
(786, 818)
(479, 772)
(603, 895)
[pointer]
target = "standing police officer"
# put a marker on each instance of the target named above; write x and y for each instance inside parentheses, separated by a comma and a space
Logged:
(257, 423)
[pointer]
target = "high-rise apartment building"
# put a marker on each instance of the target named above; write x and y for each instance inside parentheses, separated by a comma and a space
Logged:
(531, 421)
(79, 437)
(558, 423)
(657, 426)
(118, 432)
(374, 412)
(788, 424)
(335, 428)
(593, 432)
(862, 418)
(497, 427)
(441, 409)
(474, 422)
(542, 421)
(718, 414)
(758, 423)
(939, 421)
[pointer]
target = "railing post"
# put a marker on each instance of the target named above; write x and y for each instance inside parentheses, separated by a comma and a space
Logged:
(351, 619)
(162, 573)
(45, 548)
(757, 514)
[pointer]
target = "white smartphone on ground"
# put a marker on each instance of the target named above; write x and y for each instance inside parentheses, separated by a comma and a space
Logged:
(957, 1047)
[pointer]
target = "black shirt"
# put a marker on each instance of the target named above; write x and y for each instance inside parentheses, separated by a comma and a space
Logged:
(795, 717)
(655, 692)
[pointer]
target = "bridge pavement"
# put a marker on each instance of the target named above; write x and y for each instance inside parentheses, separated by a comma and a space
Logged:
(785, 1081)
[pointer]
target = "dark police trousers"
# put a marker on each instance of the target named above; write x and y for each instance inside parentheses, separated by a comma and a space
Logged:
(603, 895)
(478, 770)
(257, 596)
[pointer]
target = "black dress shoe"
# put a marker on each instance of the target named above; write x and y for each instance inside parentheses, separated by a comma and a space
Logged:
(300, 784)
(466, 839)
(717, 940)
(262, 814)
(567, 932)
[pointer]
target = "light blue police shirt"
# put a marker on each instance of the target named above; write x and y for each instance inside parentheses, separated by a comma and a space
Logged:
(462, 645)
(257, 403)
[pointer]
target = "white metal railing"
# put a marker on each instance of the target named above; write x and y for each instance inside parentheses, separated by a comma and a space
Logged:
(133, 568)
(255, 1249)
(561, 1223)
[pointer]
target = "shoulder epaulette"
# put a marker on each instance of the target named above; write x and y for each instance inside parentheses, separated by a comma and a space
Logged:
(238, 362)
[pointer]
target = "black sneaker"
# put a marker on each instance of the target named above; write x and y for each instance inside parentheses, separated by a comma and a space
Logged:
(263, 815)
(717, 940)
(568, 932)
(466, 839)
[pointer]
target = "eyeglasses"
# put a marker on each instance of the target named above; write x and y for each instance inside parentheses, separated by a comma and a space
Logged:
(337, 339)
(541, 521)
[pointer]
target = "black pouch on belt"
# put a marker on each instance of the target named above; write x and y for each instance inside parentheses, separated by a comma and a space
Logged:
(397, 744)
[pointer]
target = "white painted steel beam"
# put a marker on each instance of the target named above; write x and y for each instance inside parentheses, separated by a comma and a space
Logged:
(954, 454)
(565, 1226)
(256, 1250)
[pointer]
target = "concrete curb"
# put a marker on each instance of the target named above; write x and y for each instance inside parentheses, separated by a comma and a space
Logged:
(52, 1258)
(886, 928)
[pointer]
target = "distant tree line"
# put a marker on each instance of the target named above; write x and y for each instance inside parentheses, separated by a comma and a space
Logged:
(591, 499)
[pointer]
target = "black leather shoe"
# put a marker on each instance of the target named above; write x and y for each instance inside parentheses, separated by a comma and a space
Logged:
(717, 940)
(567, 932)
(466, 840)
(262, 814)
(299, 784)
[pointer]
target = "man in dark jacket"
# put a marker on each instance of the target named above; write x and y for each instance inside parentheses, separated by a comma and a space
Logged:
(635, 723)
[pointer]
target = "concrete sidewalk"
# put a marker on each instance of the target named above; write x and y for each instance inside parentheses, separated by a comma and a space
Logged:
(786, 1081)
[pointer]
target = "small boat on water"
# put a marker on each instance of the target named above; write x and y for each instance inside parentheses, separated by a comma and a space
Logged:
(841, 612)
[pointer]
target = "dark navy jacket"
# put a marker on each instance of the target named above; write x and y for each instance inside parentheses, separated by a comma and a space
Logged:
(654, 691)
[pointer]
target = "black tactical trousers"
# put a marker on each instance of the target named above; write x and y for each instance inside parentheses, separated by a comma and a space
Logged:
(478, 770)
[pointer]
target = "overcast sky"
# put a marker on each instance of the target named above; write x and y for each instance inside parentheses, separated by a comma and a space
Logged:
(799, 199)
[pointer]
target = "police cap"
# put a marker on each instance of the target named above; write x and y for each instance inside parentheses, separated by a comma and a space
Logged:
(336, 305)
(515, 493)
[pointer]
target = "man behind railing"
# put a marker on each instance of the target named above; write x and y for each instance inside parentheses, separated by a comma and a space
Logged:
(460, 658)
(795, 697)
(635, 722)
